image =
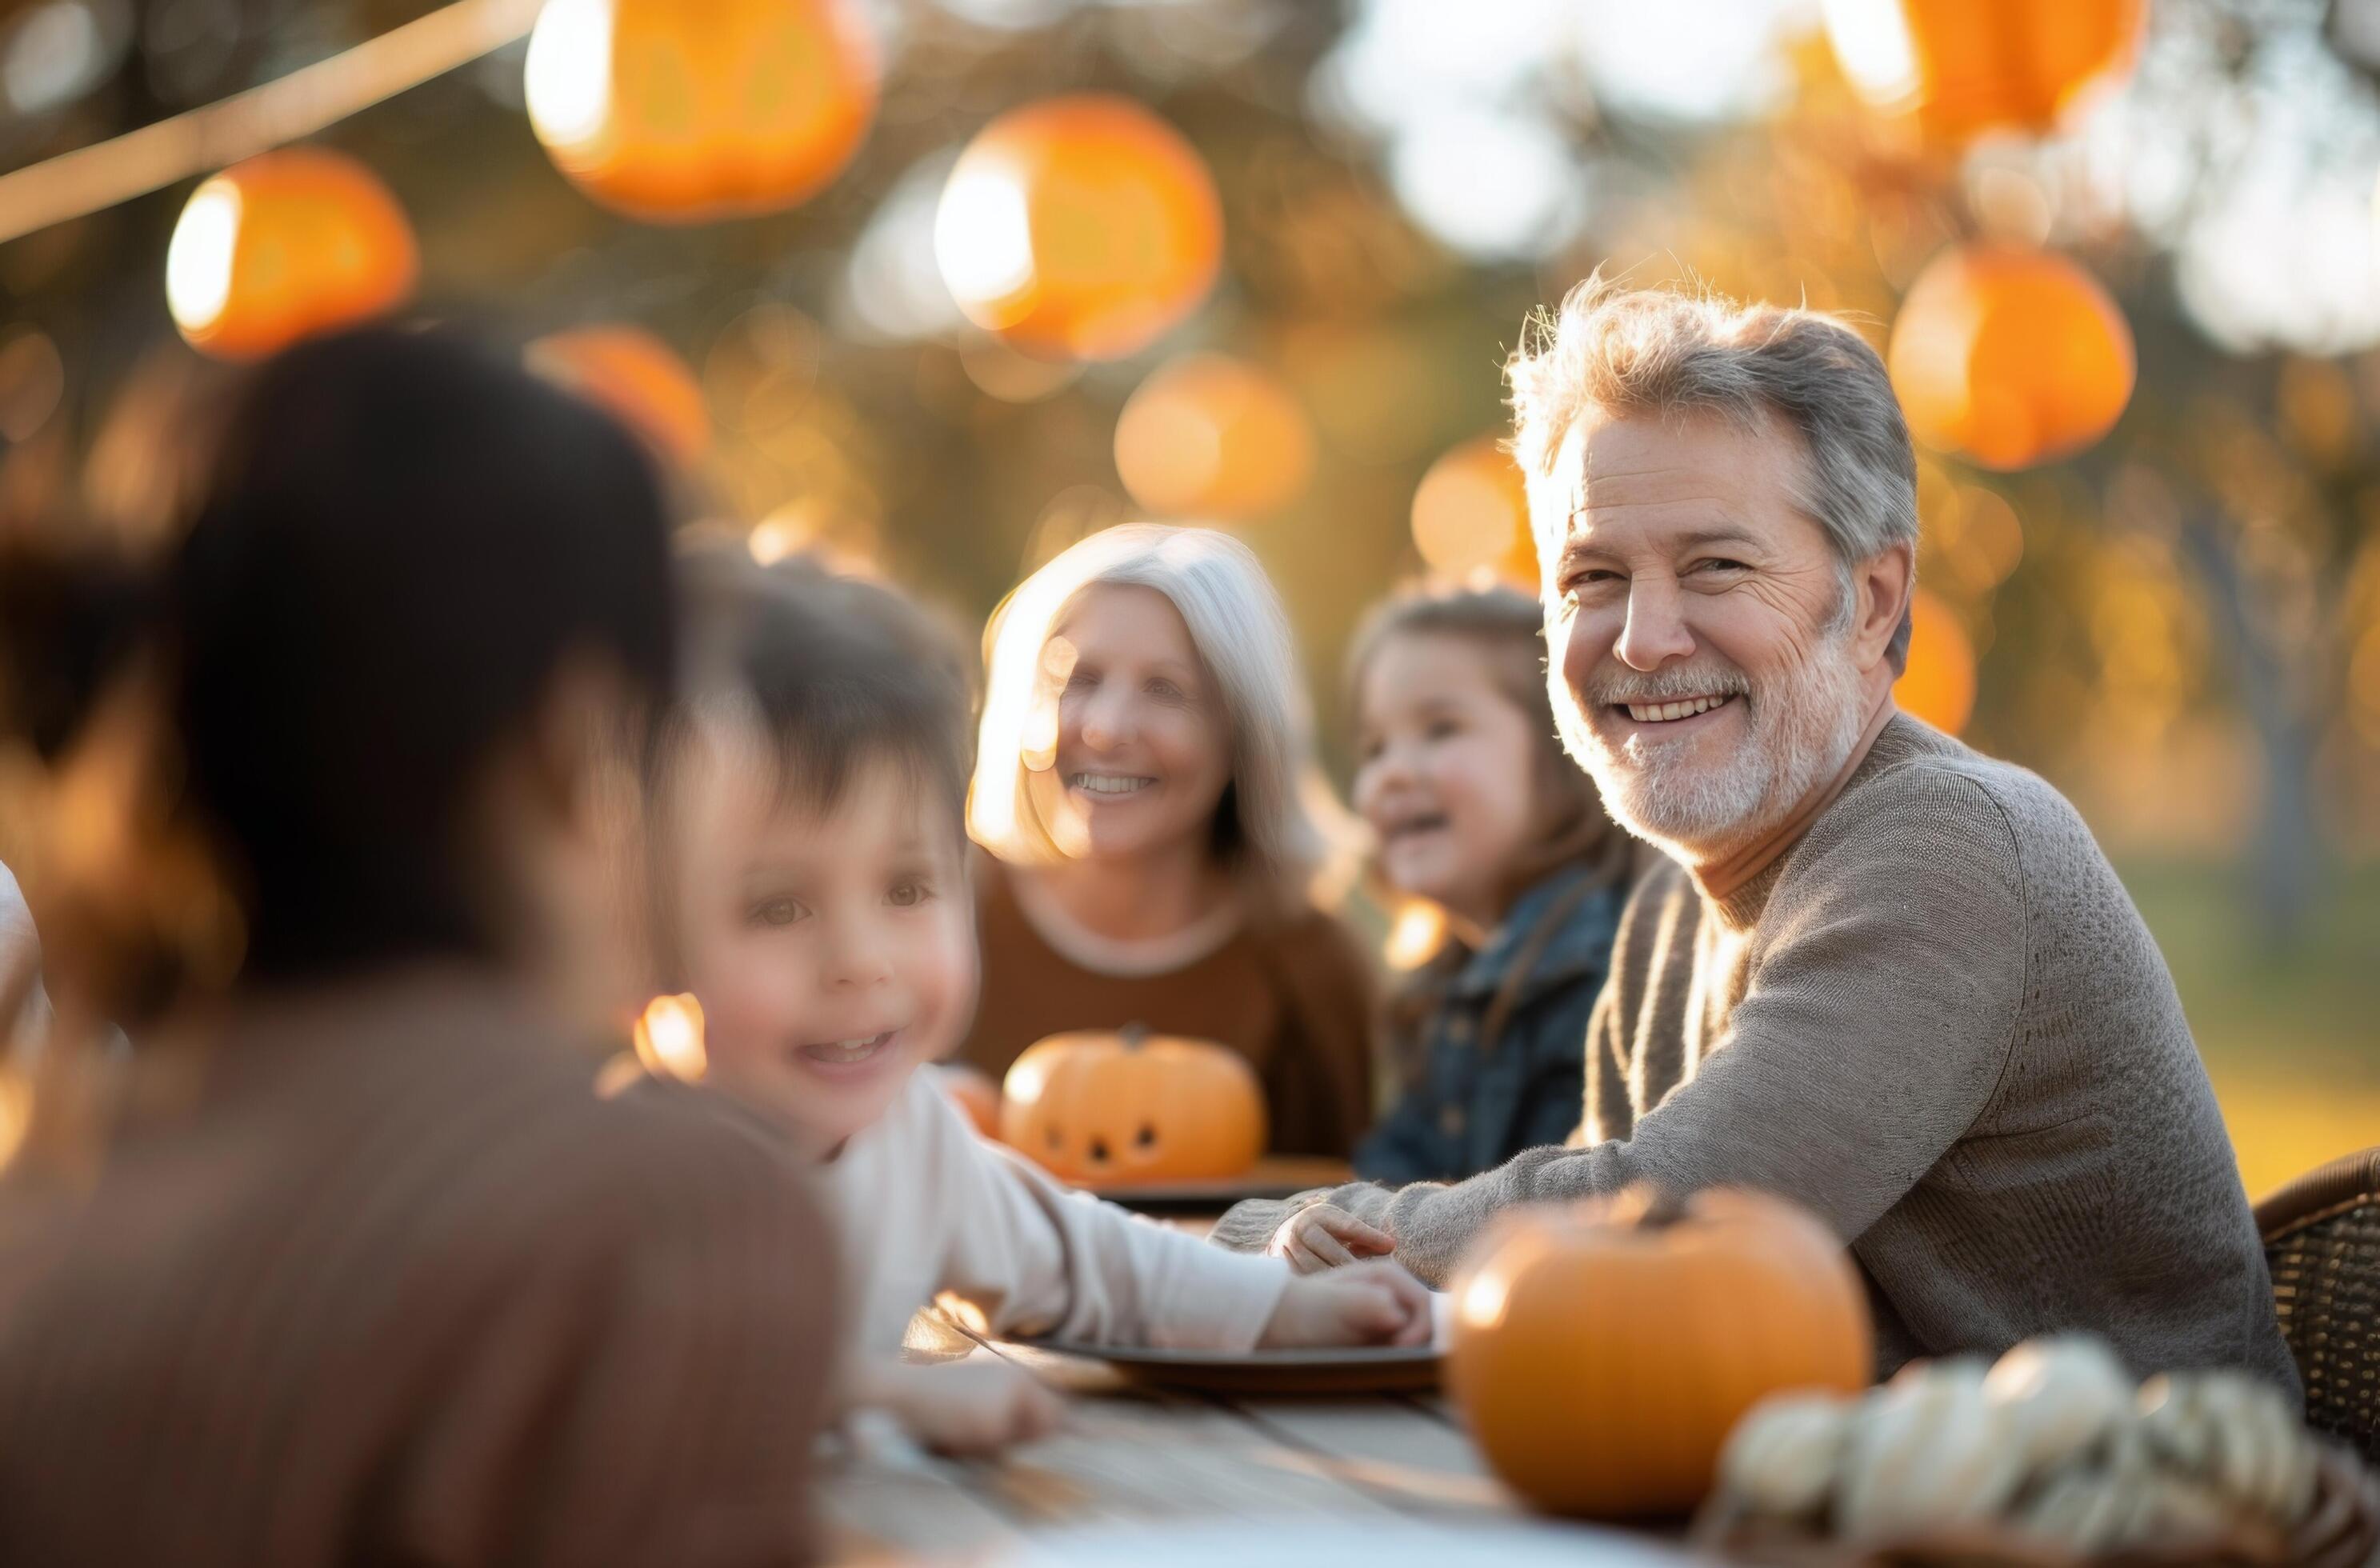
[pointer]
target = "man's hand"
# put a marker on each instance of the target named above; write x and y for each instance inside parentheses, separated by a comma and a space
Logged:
(1368, 1304)
(1324, 1235)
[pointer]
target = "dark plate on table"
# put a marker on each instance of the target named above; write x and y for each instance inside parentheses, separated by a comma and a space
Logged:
(1275, 1176)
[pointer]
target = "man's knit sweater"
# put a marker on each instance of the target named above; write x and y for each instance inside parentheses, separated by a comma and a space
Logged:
(1937, 1021)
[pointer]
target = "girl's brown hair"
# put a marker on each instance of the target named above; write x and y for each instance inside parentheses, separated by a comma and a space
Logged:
(1508, 628)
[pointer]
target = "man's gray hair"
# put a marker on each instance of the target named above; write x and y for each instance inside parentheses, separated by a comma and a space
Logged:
(1622, 351)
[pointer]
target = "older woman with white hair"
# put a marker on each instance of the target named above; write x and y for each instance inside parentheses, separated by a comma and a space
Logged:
(1886, 977)
(1145, 781)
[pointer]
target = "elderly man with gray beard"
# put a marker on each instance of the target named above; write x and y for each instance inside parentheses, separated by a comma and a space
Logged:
(1884, 975)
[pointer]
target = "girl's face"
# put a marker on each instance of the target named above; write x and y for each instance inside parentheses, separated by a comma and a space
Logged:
(1143, 753)
(832, 954)
(1444, 779)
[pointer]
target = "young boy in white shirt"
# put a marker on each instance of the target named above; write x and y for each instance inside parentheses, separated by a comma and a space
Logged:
(822, 918)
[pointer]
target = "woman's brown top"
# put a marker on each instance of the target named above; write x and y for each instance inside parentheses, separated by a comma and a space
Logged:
(393, 1285)
(1295, 995)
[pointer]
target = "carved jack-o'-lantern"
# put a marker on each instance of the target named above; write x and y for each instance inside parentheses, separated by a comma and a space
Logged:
(1111, 1109)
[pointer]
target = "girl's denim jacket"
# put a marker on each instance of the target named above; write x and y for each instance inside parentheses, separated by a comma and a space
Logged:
(1495, 1041)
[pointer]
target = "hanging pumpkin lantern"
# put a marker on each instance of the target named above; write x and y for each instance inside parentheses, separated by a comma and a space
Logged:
(1939, 684)
(1212, 437)
(1111, 1109)
(1963, 67)
(1471, 516)
(2011, 356)
(637, 379)
(1602, 1351)
(683, 111)
(284, 246)
(1081, 227)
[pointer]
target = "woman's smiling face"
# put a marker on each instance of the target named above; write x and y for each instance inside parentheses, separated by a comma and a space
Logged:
(1143, 748)
(833, 951)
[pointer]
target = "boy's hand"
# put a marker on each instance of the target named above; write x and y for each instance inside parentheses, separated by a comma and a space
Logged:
(1368, 1304)
(974, 1408)
(1324, 1235)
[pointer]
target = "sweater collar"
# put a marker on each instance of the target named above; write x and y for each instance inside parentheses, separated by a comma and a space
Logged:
(1738, 886)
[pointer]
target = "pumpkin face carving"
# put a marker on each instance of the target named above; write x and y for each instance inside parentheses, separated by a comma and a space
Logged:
(1114, 1109)
(1603, 1351)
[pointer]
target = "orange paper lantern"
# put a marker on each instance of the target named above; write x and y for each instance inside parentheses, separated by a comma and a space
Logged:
(1938, 686)
(1602, 1351)
(1081, 227)
(286, 245)
(2011, 356)
(637, 379)
(682, 110)
(1964, 67)
(1471, 516)
(1213, 437)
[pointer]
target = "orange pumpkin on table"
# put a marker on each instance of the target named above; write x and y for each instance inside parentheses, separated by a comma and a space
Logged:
(1123, 1107)
(682, 110)
(1602, 1351)
(286, 245)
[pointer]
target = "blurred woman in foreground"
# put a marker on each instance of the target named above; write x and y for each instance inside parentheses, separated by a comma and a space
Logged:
(363, 1269)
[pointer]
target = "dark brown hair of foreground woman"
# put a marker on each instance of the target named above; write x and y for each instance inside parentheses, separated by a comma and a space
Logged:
(382, 1279)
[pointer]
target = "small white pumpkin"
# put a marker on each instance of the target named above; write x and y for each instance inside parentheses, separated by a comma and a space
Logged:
(2086, 1510)
(2237, 1433)
(1928, 1450)
(1783, 1458)
(2064, 1394)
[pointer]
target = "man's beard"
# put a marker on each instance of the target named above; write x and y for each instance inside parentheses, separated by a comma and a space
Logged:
(1799, 730)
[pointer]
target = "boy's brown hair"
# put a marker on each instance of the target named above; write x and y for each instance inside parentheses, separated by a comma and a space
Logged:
(830, 672)
(834, 670)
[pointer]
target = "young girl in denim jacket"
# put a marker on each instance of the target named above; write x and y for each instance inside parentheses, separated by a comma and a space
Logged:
(1478, 813)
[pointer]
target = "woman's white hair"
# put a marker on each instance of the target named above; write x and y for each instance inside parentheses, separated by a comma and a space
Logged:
(1287, 825)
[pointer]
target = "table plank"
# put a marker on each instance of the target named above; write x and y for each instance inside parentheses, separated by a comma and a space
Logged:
(1153, 1457)
(1391, 1447)
(1126, 1454)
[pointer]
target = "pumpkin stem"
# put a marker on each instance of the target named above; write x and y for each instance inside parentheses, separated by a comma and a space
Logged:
(1131, 1037)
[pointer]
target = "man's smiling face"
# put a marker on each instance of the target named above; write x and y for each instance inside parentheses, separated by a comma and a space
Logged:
(1707, 671)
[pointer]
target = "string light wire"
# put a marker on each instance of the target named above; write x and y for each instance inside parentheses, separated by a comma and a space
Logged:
(199, 142)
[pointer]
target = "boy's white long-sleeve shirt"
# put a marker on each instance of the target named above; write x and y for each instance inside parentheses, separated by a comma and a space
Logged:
(924, 1205)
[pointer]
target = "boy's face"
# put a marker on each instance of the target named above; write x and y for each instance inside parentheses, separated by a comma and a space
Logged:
(833, 953)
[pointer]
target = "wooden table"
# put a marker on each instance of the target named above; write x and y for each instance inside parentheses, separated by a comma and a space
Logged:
(1133, 1453)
